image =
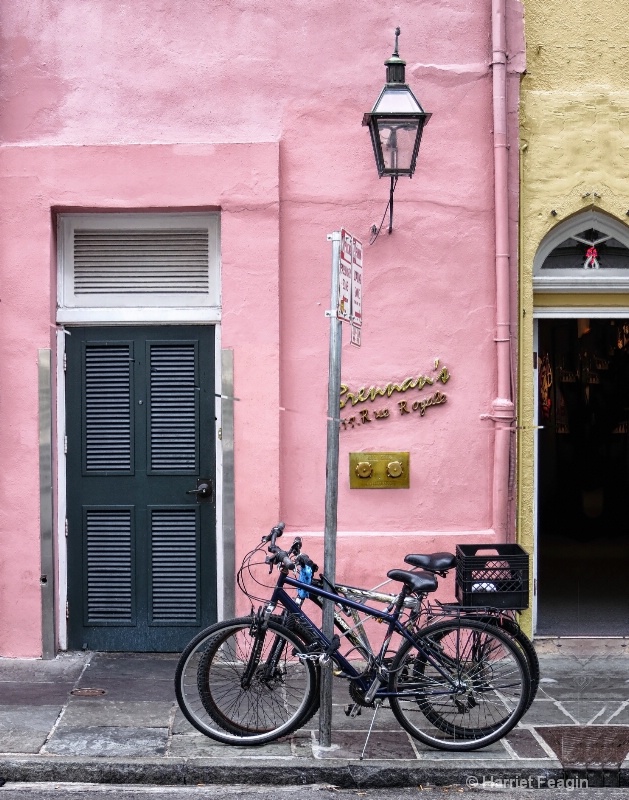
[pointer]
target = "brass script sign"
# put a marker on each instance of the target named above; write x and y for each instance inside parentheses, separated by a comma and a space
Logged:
(408, 406)
(364, 394)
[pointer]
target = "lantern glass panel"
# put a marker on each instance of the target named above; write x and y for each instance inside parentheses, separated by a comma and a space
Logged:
(397, 100)
(397, 139)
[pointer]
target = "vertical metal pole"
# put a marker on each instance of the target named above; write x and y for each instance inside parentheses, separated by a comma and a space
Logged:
(229, 499)
(47, 580)
(331, 486)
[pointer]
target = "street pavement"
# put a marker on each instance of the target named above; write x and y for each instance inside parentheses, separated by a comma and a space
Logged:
(89, 791)
(132, 731)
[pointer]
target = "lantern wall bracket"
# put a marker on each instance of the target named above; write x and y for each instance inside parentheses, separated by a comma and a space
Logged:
(375, 230)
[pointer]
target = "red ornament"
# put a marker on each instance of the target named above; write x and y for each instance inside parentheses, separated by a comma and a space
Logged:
(591, 258)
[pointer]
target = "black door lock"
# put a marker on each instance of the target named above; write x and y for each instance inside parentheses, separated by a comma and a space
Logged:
(204, 490)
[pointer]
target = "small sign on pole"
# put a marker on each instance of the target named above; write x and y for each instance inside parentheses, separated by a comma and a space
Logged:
(355, 339)
(357, 285)
(345, 277)
(350, 280)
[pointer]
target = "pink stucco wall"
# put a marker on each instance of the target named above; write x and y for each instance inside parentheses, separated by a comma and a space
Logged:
(245, 187)
(255, 108)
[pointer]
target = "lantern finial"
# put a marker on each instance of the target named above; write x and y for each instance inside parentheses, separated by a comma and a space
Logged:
(397, 36)
(395, 65)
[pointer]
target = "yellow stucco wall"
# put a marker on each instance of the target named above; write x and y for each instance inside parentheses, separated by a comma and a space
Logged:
(574, 115)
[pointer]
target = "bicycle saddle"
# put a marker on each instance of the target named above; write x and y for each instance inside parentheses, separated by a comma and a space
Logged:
(414, 581)
(433, 562)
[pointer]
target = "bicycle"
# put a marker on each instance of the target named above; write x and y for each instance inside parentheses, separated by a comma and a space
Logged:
(437, 564)
(456, 684)
(419, 609)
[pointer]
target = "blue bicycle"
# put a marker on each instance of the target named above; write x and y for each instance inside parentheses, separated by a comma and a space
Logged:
(459, 683)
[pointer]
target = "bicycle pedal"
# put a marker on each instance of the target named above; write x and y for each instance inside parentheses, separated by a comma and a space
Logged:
(353, 710)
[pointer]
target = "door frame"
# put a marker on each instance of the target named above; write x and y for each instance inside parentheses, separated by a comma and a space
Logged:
(224, 474)
(564, 310)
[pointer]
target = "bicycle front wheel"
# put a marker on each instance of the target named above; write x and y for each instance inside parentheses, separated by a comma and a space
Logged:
(461, 686)
(245, 684)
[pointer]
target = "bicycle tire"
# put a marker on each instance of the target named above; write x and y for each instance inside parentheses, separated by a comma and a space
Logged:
(212, 698)
(489, 671)
(439, 721)
(514, 632)
(282, 619)
(519, 638)
(232, 725)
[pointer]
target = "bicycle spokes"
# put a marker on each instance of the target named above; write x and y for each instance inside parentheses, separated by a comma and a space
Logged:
(462, 686)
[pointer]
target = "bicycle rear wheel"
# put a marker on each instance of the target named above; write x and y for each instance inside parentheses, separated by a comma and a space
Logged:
(461, 686)
(525, 645)
(244, 685)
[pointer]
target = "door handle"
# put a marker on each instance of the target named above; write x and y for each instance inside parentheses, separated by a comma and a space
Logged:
(203, 490)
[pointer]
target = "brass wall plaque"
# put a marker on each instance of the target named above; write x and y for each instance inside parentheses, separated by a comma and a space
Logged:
(379, 470)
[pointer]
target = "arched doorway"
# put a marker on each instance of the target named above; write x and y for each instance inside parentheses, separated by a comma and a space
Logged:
(581, 281)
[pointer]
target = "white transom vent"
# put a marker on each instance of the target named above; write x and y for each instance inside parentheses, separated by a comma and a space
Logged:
(127, 261)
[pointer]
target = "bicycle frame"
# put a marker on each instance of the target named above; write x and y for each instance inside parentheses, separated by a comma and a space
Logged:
(356, 633)
(393, 626)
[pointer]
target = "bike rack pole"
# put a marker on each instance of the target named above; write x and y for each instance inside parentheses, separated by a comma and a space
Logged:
(331, 486)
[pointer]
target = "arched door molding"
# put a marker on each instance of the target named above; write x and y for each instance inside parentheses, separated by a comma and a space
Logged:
(591, 228)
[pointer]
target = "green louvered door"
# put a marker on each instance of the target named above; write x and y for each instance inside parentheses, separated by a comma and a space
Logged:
(140, 437)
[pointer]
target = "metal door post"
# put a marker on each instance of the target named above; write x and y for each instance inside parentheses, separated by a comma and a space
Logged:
(47, 579)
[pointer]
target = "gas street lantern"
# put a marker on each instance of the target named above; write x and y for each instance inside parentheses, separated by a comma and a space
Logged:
(396, 123)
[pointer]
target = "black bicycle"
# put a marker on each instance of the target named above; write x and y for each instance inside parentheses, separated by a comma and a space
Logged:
(459, 683)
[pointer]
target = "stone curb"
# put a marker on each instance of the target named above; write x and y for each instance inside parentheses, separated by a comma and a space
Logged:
(293, 771)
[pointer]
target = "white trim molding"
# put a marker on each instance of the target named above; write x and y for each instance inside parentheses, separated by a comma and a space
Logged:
(120, 308)
(581, 312)
(137, 261)
(580, 280)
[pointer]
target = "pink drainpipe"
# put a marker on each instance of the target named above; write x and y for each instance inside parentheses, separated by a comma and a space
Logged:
(502, 409)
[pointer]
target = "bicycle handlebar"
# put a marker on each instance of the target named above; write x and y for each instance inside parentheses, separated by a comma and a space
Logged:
(286, 559)
(276, 532)
(303, 560)
(288, 563)
(280, 557)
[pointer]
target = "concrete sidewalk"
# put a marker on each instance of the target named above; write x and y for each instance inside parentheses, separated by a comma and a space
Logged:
(132, 731)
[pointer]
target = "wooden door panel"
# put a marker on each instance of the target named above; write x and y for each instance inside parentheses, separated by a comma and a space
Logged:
(140, 429)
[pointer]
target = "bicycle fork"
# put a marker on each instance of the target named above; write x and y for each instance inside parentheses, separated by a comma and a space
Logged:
(259, 630)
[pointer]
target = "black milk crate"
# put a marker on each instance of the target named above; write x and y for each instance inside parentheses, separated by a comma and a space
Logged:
(495, 575)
